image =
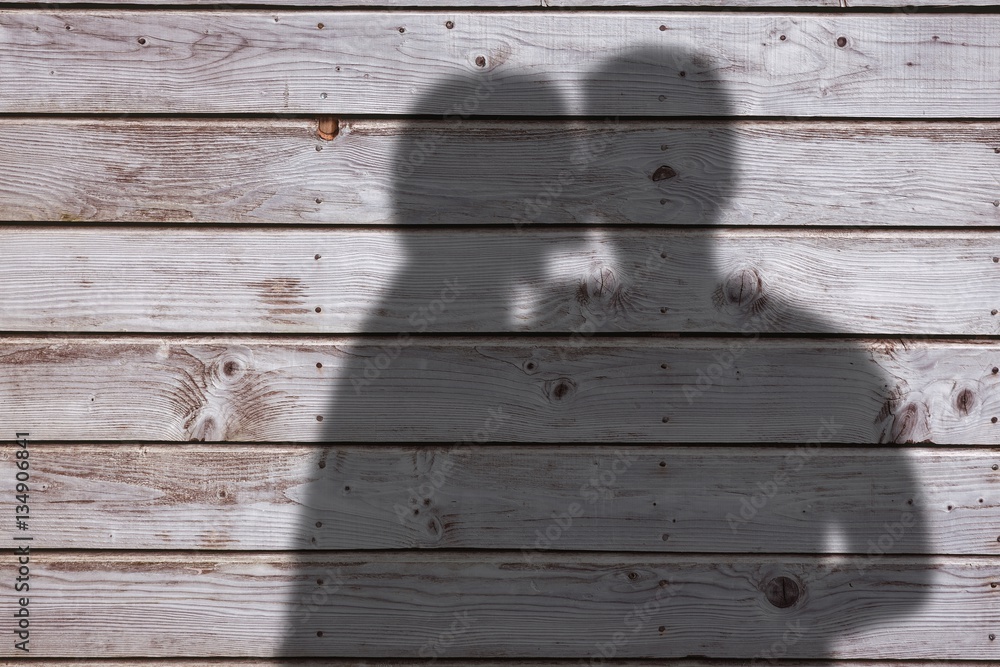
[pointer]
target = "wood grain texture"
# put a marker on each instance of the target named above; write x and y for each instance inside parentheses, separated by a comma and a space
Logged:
(270, 171)
(903, 5)
(741, 389)
(712, 585)
(237, 605)
(217, 280)
(552, 4)
(88, 61)
(390, 662)
(255, 497)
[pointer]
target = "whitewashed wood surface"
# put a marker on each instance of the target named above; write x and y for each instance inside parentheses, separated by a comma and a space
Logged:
(478, 662)
(905, 6)
(131, 330)
(899, 5)
(252, 280)
(117, 604)
(833, 173)
(628, 497)
(742, 389)
(859, 65)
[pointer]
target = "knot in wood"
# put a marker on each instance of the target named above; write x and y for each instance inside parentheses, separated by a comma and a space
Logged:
(603, 281)
(229, 368)
(663, 173)
(965, 401)
(559, 389)
(204, 427)
(782, 592)
(910, 425)
(435, 529)
(743, 288)
(603, 286)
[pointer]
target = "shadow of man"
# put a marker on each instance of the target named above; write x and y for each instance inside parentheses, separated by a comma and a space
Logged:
(573, 230)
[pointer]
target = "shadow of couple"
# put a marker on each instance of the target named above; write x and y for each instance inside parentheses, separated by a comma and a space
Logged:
(570, 230)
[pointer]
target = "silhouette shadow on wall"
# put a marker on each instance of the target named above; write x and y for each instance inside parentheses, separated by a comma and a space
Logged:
(558, 227)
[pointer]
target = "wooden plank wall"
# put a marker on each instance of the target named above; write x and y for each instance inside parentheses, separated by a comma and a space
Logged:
(382, 333)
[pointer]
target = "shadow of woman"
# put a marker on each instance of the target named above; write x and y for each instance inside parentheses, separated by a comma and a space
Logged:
(570, 231)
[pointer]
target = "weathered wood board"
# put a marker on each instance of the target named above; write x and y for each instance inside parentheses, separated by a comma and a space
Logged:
(703, 499)
(743, 389)
(249, 280)
(906, 6)
(478, 662)
(268, 604)
(550, 4)
(736, 172)
(557, 63)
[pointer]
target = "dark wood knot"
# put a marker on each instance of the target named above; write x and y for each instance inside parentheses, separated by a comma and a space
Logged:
(231, 367)
(966, 399)
(663, 173)
(560, 388)
(782, 592)
(743, 287)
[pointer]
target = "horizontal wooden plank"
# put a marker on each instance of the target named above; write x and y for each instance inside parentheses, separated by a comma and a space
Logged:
(281, 171)
(483, 4)
(903, 5)
(907, 5)
(533, 499)
(738, 389)
(594, 63)
(514, 662)
(485, 281)
(491, 605)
